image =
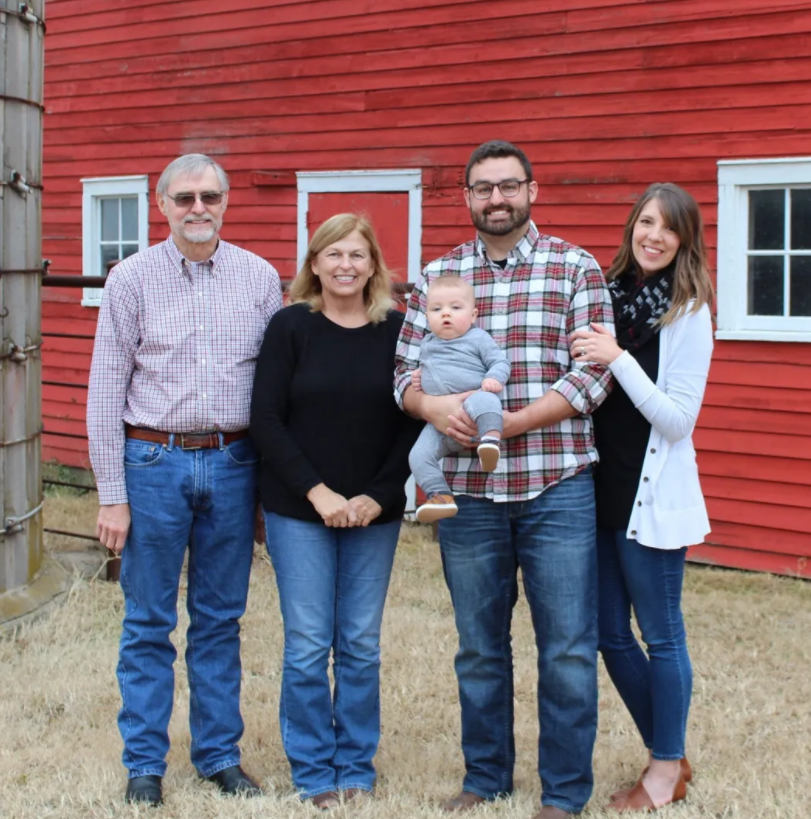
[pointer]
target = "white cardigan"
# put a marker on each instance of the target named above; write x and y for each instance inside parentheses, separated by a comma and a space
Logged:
(669, 510)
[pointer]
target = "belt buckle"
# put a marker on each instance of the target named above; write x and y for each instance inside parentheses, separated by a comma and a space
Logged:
(183, 443)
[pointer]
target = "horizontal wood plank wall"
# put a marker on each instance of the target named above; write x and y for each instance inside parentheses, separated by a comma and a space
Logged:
(604, 96)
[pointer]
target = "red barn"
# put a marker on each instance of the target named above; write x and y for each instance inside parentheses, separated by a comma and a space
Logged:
(317, 106)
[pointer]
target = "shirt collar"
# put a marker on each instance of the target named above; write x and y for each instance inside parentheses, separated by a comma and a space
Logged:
(183, 265)
(521, 252)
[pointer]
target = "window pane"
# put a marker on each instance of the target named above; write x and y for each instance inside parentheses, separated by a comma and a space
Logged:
(765, 286)
(801, 219)
(767, 219)
(800, 304)
(129, 219)
(109, 253)
(128, 250)
(109, 220)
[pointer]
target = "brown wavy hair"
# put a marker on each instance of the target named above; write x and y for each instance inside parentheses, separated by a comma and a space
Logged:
(681, 213)
(306, 287)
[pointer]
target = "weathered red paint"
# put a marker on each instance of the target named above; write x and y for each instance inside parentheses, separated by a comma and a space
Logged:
(605, 97)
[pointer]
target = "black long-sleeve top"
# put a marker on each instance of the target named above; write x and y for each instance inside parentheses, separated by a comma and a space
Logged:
(323, 411)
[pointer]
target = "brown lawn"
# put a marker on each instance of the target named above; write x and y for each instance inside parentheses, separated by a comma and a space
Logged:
(750, 727)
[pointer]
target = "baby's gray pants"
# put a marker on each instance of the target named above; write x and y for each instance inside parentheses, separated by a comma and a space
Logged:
(425, 456)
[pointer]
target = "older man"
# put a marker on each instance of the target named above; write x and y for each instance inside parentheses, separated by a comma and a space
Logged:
(536, 511)
(168, 409)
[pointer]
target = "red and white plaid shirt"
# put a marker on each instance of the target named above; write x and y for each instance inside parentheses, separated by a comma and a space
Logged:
(176, 347)
(548, 290)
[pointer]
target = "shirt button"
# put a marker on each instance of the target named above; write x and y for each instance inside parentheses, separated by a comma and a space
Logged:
(644, 479)
(639, 503)
(653, 451)
(204, 395)
(203, 328)
(204, 361)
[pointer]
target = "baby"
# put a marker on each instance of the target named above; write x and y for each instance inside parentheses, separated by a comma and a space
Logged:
(456, 357)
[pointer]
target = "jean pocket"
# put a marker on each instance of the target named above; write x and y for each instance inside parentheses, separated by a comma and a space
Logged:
(142, 453)
(242, 452)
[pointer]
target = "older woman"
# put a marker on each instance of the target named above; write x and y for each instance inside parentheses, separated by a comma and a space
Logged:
(334, 449)
(649, 502)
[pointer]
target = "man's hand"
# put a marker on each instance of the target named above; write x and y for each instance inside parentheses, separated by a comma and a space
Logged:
(112, 526)
(492, 385)
(365, 508)
(436, 409)
(334, 508)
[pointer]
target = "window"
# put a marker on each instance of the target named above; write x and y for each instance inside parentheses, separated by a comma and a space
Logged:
(764, 249)
(115, 213)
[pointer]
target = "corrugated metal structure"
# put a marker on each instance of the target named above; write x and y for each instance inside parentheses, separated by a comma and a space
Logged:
(605, 97)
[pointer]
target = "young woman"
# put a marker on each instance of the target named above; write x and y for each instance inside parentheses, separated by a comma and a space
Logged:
(649, 502)
(334, 449)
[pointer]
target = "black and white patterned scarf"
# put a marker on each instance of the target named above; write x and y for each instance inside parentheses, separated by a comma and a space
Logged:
(638, 305)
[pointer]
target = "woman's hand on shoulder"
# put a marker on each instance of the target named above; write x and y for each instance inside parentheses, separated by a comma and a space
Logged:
(335, 509)
(366, 509)
(596, 345)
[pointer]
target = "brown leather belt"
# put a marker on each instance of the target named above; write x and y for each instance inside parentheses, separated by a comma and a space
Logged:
(186, 440)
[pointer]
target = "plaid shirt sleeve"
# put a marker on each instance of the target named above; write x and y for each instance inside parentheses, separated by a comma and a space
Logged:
(110, 373)
(407, 355)
(587, 385)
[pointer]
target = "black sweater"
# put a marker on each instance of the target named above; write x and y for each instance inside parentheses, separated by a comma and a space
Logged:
(323, 411)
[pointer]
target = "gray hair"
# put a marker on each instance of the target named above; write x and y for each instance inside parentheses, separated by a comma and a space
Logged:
(191, 165)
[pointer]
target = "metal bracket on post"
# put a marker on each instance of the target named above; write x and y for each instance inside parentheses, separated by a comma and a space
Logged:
(14, 525)
(18, 184)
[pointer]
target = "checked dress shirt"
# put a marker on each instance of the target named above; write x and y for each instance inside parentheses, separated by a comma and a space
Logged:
(548, 290)
(176, 347)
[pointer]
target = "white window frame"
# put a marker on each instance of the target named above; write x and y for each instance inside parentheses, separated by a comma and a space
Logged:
(735, 179)
(93, 191)
(398, 181)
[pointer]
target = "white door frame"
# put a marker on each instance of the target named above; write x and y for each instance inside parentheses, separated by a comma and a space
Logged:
(402, 181)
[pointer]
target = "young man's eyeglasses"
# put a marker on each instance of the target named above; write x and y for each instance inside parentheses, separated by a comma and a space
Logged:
(186, 200)
(507, 188)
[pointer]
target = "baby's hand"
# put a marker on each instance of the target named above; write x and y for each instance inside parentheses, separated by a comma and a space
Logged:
(491, 385)
(416, 380)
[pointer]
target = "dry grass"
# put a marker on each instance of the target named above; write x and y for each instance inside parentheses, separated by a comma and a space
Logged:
(749, 741)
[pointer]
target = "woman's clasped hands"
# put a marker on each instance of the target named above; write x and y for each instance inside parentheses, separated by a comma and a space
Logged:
(336, 511)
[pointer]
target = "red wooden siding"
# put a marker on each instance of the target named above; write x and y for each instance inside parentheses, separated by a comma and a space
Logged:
(605, 97)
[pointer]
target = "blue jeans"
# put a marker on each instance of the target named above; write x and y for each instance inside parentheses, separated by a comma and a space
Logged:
(551, 538)
(204, 500)
(332, 589)
(656, 687)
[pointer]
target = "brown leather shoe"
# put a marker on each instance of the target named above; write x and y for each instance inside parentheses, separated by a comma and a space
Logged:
(463, 801)
(686, 775)
(551, 812)
(639, 799)
(353, 793)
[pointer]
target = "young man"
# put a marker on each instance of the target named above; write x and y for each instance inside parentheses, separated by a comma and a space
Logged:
(536, 510)
(168, 410)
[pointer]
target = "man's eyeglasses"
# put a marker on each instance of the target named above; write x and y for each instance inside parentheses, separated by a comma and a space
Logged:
(186, 200)
(507, 188)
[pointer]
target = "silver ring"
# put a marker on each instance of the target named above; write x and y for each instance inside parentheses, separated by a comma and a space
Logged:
(582, 351)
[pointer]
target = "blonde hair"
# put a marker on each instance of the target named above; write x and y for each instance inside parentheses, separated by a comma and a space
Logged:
(681, 214)
(306, 287)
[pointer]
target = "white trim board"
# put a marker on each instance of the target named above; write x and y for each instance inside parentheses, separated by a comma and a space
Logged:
(399, 181)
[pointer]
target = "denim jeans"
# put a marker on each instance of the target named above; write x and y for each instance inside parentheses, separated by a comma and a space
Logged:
(332, 589)
(552, 539)
(205, 500)
(656, 687)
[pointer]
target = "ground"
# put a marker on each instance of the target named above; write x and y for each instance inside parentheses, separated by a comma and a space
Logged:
(749, 736)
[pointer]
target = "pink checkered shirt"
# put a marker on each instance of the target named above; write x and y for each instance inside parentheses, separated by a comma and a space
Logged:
(548, 290)
(176, 347)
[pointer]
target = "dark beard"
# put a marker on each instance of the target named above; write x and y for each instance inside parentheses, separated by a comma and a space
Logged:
(518, 218)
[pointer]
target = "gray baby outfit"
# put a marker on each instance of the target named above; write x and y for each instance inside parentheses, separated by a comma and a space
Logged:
(450, 366)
